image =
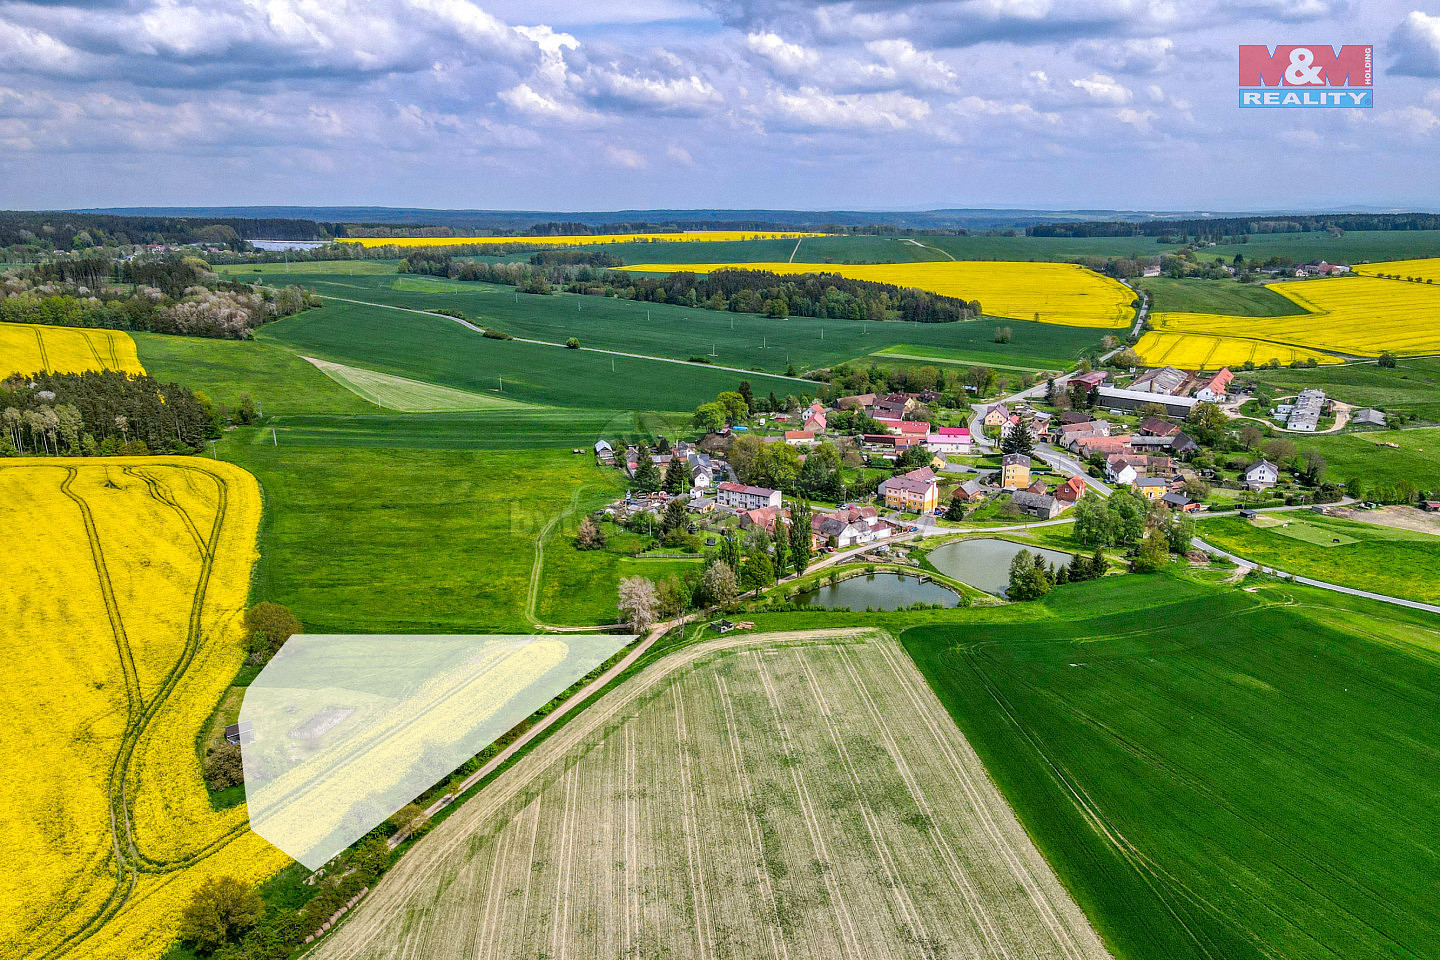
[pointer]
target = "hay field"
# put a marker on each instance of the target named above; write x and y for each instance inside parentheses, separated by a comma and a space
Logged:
(784, 796)
(582, 240)
(34, 348)
(1062, 293)
(406, 395)
(121, 617)
(1360, 316)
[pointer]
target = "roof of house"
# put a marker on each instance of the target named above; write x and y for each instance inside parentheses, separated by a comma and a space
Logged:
(1219, 382)
(1156, 427)
(602, 445)
(1176, 499)
(1075, 416)
(1015, 459)
(971, 487)
(1115, 393)
(1071, 489)
(730, 487)
(1165, 380)
(1261, 463)
(1027, 499)
(799, 435)
(1152, 482)
(1092, 379)
(957, 433)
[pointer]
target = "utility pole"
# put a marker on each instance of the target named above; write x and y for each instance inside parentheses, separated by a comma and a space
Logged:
(502, 384)
(274, 440)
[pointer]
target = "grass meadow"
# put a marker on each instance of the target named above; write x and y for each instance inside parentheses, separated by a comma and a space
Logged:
(1196, 761)
(1216, 296)
(1414, 458)
(1395, 562)
(386, 540)
(224, 370)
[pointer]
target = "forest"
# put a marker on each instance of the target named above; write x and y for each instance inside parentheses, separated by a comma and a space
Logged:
(102, 413)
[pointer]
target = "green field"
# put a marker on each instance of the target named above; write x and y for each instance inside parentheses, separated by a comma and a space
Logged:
(408, 396)
(1413, 387)
(1214, 773)
(959, 358)
(1290, 526)
(279, 381)
(524, 428)
(579, 585)
(1415, 458)
(410, 541)
(438, 350)
(747, 341)
(1231, 297)
(1398, 563)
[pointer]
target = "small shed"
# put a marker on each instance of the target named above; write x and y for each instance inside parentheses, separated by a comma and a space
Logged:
(239, 733)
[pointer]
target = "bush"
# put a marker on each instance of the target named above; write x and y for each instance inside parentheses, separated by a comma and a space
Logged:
(220, 910)
(497, 334)
(572, 344)
(223, 767)
(269, 625)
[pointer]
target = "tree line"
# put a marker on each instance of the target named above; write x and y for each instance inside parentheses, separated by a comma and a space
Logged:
(102, 413)
(818, 295)
(1236, 228)
(170, 294)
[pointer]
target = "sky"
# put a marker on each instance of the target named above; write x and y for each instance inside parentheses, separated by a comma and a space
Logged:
(563, 105)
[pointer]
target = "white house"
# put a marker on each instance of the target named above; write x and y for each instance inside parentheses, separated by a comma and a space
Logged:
(949, 440)
(738, 496)
(1215, 389)
(1261, 474)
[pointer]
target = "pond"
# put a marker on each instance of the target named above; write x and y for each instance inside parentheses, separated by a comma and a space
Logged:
(985, 562)
(879, 591)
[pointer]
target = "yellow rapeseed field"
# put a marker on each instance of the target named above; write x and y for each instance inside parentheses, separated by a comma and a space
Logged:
(1063, 293)
(1196, 352)
(1360, 316)
(693, 236)
(121, 621)
(1424, 270)
(32, 348)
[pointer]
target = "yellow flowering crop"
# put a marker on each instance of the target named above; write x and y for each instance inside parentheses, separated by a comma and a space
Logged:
(693, 236)
(33, 348)
(1197, 352)
(122, 625)
(1062, 293)
(1359, 316)
(1424, 270)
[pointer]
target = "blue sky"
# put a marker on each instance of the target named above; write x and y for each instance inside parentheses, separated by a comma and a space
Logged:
(560, 105)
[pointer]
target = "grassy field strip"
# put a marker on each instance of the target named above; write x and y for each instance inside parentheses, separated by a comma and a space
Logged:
(718, 804)
(552, 343)
(406, 395)
(893, 353)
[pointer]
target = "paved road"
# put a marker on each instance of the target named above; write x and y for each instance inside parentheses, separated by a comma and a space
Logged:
(551, 343)
(1248, 565)
(1059, 460)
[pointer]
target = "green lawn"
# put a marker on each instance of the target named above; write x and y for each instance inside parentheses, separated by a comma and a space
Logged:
(408, 541)
(747, 341)
(580, 585)
(965, 358)
(279, 381)
(1412, 388)
(1213, 773)
(1398, 563)
(1415, 458)
(409, 396)
(1231, 297)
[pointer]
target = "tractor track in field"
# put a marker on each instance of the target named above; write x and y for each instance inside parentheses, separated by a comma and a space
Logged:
(130, 861)
(44, 356)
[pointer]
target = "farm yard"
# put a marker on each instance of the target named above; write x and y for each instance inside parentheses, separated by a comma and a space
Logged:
(1195, 762)
(1059, 293)
(780, 796)
(1358, 316)
(147, 558)
(33, 348)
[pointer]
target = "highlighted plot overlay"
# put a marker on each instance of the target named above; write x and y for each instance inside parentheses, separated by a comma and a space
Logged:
(342, 731)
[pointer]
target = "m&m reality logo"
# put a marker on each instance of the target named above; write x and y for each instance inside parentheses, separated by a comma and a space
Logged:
(1310, 76)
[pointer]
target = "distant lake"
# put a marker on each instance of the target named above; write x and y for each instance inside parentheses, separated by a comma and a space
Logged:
(879, 591)
(985, 562)
(278, 245)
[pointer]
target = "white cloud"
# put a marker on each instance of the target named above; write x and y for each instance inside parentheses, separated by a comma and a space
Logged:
(789, 57)
(917, 67)
(680, 155)
(682, 93)
(525, 99)
(1140, 119)
(1417, 45)
(1133, 54)
(1104, 88)
(624, 157)
(811, 108)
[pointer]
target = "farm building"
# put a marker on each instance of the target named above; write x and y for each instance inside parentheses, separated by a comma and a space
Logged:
(1113, 398)
(738, 496)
